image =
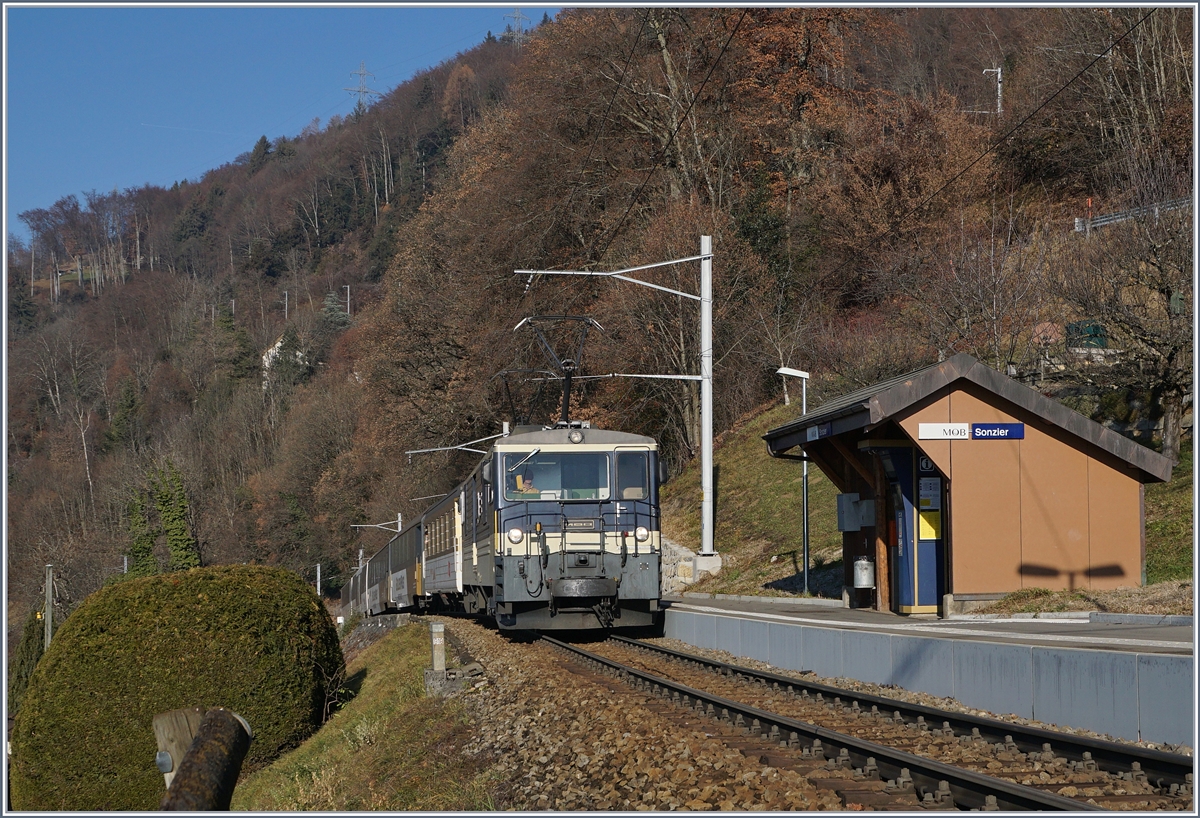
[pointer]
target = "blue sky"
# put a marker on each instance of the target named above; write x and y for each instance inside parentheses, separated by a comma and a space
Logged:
(103, 97)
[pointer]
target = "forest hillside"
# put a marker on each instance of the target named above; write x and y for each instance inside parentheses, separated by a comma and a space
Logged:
(232, 369)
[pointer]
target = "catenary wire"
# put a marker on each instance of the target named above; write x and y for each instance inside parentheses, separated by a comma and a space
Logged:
(662, 152)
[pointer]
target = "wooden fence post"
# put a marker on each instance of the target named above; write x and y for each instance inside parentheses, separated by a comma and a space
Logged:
(174, 731)
(204, 779)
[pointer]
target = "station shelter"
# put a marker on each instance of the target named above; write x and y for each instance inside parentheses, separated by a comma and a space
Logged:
(960, 484)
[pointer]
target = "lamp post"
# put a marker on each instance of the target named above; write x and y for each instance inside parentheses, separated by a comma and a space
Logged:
(803, 376)
(706, 408)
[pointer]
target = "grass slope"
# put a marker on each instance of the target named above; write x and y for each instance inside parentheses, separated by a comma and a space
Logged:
(758, 512)
(758, 515)
(1169, 523)
(389, 748)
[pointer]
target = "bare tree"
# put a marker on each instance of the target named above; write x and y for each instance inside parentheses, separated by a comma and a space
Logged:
(985, 292)
(1135, 278)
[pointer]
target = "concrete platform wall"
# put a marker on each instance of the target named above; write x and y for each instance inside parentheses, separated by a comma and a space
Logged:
(1126, 695)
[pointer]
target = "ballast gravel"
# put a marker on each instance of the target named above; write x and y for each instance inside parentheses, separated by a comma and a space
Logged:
(910, 696)
(557, 737)
(559, 740)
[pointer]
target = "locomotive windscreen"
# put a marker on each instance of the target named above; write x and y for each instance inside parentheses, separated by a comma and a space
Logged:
(557, 476)
(633, 475)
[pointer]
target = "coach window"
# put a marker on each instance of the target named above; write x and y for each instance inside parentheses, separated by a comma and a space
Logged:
(633, 475)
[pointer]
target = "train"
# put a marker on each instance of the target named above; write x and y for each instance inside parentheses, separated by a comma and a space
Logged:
(556, 528)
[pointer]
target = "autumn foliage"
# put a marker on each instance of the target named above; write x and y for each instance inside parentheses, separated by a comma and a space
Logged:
(285, 328)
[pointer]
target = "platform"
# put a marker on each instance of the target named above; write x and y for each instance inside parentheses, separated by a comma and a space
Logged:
(1129, 679)
(1130, 632)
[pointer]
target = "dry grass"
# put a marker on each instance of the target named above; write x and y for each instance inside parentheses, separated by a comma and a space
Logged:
(759, 525)
(389, 748)
(1173, 597)
(1170, 522)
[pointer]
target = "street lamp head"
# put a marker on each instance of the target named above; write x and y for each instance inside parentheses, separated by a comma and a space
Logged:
(795, 373)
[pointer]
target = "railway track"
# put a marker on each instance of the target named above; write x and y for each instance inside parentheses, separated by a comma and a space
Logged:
(1162, 769)
(880, 753)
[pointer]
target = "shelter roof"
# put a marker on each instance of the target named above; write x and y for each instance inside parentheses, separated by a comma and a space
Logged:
(895, 397)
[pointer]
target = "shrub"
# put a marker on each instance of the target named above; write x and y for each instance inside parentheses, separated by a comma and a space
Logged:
(255, 640)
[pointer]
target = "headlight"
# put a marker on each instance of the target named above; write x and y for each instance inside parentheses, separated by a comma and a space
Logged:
(641, 533)
(575, 436)
(515, 535)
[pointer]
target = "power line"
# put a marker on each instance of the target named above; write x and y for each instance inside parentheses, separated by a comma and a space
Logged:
(670, 141)
(604, 119)
(991, 148)
(575, 188)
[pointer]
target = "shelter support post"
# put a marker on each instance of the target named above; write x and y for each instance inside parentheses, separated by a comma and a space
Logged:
(883, 574)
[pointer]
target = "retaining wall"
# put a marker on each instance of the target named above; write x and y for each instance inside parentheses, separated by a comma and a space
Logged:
(1126, 695)
(677, 567)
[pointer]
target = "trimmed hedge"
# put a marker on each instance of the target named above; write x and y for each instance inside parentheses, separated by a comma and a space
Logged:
(255, 640)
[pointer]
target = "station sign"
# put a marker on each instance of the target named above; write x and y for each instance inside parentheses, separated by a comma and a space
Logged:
(971, 431)
(944, 431)
(997, 431)
(819, 431)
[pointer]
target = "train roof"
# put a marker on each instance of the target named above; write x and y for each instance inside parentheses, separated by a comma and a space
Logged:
(537, 435)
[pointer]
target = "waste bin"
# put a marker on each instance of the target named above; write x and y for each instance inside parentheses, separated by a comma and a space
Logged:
(864, 573)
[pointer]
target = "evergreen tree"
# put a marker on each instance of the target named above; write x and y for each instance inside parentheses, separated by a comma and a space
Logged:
(235, 354)
(171, 501)
(260, 155)
(124, 418)
(285, 148)
(333, 313)
(22, 662)
(22, 309)
(143, 536)
(291, 365)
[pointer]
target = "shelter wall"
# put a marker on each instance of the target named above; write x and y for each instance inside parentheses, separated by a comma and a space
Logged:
(1036, 512)
(1118, 541)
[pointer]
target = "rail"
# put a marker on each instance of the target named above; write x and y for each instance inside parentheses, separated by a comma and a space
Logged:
(941, 782)
(1162, 768)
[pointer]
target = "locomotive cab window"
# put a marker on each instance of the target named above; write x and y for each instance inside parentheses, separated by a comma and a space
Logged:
(556, 476)
(633, 475)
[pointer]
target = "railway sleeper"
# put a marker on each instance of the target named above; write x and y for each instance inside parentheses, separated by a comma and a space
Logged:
(1046, 755)
(940, 796)
(866, 793)
(814, 756)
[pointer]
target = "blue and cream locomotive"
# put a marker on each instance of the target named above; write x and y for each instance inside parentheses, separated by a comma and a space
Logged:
(556, 528)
